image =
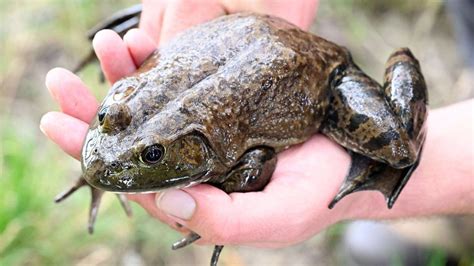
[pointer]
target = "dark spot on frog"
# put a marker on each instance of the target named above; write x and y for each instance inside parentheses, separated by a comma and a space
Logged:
(335, 78)
(122, 95)
(356, 120)
(381, 140)
(126, 180)
(267, 84)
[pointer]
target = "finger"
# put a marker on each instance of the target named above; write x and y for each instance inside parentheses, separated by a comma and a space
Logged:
(115, 60)
(289, 210)
(152, 18)
(66, 131)
(301, 13)
(72, 95)
(140, 45)
(182, 14)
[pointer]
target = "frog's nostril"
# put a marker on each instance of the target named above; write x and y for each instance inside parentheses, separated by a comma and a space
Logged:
(114, 118)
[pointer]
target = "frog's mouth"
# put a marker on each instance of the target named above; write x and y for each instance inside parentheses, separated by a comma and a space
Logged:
(130, 184)
(185, 181)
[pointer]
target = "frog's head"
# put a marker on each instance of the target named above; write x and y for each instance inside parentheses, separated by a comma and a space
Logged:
(120, 160)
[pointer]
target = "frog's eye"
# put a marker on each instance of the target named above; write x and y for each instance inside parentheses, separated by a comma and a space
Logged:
(152, 154)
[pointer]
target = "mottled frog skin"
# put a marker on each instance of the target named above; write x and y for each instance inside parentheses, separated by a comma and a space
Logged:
(217, 104)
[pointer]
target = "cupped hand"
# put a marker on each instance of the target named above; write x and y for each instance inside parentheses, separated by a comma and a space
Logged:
(291, 208)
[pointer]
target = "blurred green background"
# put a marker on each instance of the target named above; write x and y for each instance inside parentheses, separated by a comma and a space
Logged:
(37, 35)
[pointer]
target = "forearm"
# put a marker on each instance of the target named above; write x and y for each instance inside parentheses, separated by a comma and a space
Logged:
(444, 180)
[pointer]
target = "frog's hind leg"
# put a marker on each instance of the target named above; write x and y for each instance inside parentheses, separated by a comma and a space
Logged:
(96, 196)
(383, 127)
(120, 22)
(367, 174)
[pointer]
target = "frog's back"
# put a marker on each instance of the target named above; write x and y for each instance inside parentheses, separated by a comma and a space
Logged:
(243, 81)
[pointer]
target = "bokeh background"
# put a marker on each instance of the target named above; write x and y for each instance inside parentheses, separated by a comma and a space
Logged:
(37, 35)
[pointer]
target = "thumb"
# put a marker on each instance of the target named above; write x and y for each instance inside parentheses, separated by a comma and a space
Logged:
(203, 208)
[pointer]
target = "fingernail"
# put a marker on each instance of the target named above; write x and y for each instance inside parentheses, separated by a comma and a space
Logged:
(41, 126)
(176, 202)
(50, 76)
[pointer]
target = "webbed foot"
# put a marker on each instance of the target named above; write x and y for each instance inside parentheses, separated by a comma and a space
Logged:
(367, 174)
(120, 22)
(383, 128)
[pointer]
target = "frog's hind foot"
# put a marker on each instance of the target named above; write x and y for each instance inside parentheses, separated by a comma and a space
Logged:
(367, 174)
(215, 254)
(185, 241)
(191, 238)
(120, 22)
(96, 196)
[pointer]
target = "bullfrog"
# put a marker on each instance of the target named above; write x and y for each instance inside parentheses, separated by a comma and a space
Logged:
(219, 102)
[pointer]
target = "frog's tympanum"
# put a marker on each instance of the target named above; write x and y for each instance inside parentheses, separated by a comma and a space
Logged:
(220, 101)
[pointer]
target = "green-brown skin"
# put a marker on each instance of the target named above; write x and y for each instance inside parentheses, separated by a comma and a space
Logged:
(223, 98)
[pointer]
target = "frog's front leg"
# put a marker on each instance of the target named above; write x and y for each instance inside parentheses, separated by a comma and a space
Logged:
(120, 22)
(383, 127)
(251, 173)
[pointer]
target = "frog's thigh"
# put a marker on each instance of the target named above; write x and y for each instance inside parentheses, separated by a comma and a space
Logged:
(405, 90)
(252, 172)
(360, 119)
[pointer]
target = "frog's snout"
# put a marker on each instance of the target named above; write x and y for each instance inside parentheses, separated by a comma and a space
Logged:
(114, 118)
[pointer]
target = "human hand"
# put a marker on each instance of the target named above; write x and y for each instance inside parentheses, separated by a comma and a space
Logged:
(161, 20)
(291, 208)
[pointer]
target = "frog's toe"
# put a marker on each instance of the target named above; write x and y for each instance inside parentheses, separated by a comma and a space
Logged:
(215, 254)
(94, 208)
(192, 237)
(80, 182)
(125, 204)
(367, 174)
(402, 176)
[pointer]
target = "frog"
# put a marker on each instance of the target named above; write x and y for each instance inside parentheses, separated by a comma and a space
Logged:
(220, 101)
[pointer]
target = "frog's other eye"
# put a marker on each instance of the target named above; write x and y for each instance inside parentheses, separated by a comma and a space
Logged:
(152, 154)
